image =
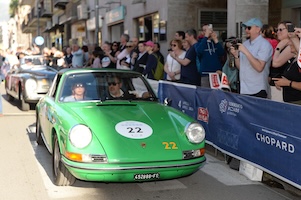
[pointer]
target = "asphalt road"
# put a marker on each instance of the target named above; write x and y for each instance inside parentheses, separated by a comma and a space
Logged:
(25, 172)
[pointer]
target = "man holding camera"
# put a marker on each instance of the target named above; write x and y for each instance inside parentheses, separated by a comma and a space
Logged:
(209, 51)
(253, 59)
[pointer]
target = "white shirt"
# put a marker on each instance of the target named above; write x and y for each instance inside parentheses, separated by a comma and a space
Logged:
(78, 58)
(173, 65)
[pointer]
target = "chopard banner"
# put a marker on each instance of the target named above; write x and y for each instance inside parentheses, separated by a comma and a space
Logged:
(263, 132)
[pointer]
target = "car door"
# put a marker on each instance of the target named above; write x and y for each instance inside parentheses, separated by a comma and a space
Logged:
(48, 116)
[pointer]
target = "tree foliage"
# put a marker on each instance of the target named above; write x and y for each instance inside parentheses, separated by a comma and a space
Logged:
(13, 7)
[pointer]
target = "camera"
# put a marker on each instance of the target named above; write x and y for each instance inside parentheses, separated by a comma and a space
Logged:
(290, 28)
(234, 42)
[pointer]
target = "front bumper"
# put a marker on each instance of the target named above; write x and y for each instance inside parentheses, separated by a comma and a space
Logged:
(126, 172)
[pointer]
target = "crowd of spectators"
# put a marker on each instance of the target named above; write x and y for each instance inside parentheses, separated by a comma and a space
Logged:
(264, 65)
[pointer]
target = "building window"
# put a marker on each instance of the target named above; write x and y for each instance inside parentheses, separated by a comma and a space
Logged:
(218, 18)
(151, 28)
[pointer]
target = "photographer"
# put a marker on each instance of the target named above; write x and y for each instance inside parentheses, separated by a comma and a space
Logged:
(290, 82)
(253, 59)
(229, 67)
(209, 51)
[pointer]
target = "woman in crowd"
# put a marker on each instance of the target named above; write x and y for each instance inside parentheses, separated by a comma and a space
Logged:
(290, 82)
(96, 59)
(172, 68)
(108, 59)
(124, 59)
(268, 32)
(282, 58)
(185, 45)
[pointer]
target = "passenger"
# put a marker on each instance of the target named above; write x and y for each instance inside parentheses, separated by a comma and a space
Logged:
(78, 93)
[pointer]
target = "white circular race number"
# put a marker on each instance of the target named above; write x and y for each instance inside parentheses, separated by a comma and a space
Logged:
(134, 129)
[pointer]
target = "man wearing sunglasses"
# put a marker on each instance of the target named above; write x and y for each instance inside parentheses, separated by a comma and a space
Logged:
(115, 91)
(253, 59)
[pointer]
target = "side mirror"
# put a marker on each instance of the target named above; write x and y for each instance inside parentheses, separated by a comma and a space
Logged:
(167, 102)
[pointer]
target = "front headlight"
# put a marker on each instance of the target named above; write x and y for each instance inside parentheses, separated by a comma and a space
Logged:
(80, 136)
(195, 133)
(30, 85)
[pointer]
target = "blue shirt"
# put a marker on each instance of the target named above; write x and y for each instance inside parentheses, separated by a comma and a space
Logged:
(189, 73)
(252, 81)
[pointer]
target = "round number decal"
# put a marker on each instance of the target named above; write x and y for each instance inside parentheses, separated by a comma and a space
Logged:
(134, 129)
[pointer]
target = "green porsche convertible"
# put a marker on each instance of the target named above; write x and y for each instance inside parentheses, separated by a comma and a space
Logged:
(107, 125)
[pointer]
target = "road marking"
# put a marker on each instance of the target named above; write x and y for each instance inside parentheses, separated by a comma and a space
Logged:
(161, 185)
(223, 173)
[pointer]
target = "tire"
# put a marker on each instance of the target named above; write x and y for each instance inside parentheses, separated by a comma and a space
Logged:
(61, 175)
(10, 98)
(24, 106)
(38, 132)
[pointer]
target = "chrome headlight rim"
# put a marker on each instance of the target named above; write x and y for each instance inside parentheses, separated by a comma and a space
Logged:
(31, 84)
(80, 136)
(195, 132)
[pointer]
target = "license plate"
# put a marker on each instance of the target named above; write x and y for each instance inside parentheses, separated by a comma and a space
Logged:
(146, 176)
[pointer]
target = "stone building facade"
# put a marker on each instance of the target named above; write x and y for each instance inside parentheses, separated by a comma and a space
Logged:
(63, 22)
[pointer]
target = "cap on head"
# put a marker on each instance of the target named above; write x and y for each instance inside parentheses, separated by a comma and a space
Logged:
(253, 22)
(149, 43)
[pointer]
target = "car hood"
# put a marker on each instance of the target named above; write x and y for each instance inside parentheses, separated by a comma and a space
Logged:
(136, 132)
(40, 72)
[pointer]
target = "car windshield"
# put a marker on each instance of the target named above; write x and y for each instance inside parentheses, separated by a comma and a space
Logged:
(31, 62)
(103, 86)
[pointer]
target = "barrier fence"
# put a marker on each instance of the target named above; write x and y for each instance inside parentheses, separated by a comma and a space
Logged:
(263, 132)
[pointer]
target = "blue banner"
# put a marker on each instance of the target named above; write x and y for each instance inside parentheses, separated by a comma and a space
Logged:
(263, 132)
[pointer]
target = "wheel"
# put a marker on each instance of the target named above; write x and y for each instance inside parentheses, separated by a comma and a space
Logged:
(61, 175)
(9, 97)
(24, 106)
(38, 132)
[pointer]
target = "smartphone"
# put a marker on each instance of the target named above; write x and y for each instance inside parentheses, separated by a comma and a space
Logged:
(290, 28)
(210, 26)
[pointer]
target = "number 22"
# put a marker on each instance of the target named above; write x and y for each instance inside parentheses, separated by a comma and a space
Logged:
(170, 145)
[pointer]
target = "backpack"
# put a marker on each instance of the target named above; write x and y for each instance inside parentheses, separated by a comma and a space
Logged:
(159, 72)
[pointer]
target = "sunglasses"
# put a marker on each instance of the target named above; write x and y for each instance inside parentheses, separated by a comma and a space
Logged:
(280, 29)
(112, 83)
(173, 45)
(115, 45)
(78, 85)
(249, 27)
(128, 46)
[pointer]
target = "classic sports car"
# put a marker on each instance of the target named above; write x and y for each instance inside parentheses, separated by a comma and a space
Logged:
(29, 82)
(107, 125)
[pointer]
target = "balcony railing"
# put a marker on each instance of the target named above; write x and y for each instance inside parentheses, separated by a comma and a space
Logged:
(32, 16)
(46, 8)
(61, 4)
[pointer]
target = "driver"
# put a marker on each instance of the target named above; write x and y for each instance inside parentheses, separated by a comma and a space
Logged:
(115, 91)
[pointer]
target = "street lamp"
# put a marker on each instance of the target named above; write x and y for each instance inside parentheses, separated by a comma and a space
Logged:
(38, 21)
